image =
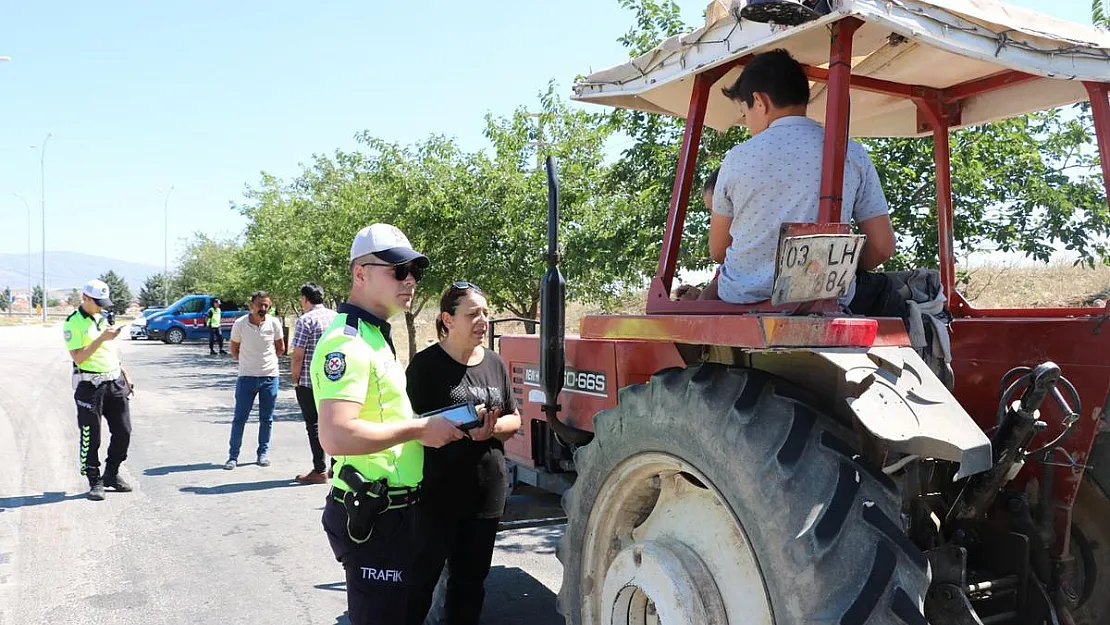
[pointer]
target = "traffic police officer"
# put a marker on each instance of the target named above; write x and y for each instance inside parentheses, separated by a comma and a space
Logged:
(368, 426)
(101, 388)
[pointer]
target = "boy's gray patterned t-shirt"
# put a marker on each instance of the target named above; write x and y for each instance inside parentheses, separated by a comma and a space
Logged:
(775, 178)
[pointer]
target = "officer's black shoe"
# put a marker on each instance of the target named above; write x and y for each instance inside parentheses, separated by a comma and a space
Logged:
(116, 483)
(223, 352)
(96, 491)
(212, 353)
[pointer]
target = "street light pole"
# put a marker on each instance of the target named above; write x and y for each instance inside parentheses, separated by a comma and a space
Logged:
(42, 196)
(30, 289)
(166, 251)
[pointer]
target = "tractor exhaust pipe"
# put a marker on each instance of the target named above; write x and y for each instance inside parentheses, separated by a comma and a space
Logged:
(553, 321)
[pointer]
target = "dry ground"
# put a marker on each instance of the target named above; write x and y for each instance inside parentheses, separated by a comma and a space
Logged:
(1044, 286)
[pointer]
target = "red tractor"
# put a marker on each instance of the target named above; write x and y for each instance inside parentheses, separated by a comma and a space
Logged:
(785, 462)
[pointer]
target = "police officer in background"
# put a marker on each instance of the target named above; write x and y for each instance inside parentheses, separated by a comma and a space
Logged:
(214, 333)
(101, 388)
(368, 426)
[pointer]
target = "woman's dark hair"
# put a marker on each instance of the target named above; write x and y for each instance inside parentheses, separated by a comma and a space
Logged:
(775, 73)
(449, 303)
(710, 181)
(312, 293)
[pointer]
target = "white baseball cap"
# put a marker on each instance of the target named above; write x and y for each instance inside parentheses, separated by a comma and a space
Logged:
(388, 243)
(97, 292)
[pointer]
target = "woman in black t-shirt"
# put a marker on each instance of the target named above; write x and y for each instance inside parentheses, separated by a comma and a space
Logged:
(464, 486)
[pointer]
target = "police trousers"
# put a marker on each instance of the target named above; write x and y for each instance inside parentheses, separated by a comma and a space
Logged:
(108, 401)
(380, 572)
(214, 337)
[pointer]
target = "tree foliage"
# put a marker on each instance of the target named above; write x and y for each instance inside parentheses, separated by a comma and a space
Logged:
(36, 296)
(479, 216)
(118, 292)
(210, 265)
(157, 290)
(6, 299)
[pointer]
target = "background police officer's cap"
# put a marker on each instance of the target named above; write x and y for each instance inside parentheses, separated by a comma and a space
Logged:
(388, 243)
(97, 292)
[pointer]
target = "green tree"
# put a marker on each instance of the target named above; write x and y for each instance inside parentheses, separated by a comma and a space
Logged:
(600, 239)
(158, 291)
(36, 296)
(478, 216)
(6, 300)
(1100, 13)
(1027, 184)
(118, 291)
(645, 172)
(210, 265)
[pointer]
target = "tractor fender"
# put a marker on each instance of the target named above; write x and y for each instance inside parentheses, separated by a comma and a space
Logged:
(892, 394)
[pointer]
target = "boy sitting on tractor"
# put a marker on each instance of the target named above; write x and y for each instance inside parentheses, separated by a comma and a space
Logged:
(775, 178)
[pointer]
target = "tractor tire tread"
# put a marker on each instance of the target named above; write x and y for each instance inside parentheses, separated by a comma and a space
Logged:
(821, 521)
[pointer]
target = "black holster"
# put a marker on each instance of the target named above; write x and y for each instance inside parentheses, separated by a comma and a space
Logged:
(364, 503)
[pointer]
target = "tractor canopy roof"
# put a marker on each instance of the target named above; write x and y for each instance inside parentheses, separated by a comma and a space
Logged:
(1039, 62)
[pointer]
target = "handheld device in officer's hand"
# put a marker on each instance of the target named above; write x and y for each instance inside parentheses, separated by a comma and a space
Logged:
(463, 415)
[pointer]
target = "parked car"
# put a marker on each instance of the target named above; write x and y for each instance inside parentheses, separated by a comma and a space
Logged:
(187, 319)
(138, 326)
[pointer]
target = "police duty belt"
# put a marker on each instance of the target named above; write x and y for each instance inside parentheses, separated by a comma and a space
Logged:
(367, 500)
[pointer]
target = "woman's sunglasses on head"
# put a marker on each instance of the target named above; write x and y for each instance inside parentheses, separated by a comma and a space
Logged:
(462, 286)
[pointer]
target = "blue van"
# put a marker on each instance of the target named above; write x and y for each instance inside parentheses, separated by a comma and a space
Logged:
(187, 318)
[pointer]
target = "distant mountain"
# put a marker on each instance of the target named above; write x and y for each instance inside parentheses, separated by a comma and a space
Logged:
(66, 270)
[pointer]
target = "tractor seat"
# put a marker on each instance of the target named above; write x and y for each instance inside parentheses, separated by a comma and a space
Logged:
(916, 297)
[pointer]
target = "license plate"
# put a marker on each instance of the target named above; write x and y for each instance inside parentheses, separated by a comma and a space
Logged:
(815, 267)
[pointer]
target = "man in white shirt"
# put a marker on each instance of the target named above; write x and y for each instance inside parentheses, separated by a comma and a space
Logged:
(257, 341)
(775, 178)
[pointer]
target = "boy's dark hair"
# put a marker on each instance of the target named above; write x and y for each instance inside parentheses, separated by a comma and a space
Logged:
(257, 295)
(312, 293)
(710, 181)
(775, 73)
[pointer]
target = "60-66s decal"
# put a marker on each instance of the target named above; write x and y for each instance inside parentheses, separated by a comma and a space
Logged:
(592, 383)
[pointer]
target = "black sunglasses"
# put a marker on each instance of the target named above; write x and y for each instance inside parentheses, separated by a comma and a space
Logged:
(462, 286)
(401, 272)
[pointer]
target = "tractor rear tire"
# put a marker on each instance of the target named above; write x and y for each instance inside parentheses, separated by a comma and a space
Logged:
(721, 496)
(1090, 546)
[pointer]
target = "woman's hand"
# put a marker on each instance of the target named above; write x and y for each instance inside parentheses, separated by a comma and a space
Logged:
(489, 421)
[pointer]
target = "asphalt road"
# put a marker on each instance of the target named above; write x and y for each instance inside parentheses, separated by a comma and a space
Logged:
(194, 544)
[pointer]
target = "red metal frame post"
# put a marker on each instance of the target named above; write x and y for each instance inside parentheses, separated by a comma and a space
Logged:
(1099, 93)
(836, 120)
(942, 158)
(935, 117)
(684, 177)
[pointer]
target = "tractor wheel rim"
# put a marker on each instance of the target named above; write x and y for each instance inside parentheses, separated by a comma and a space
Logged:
(663, 546)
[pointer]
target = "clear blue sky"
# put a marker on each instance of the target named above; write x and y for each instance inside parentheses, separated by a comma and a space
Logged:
(205, 95)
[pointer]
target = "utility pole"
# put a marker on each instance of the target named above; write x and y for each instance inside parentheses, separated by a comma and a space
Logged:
(42, 196)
